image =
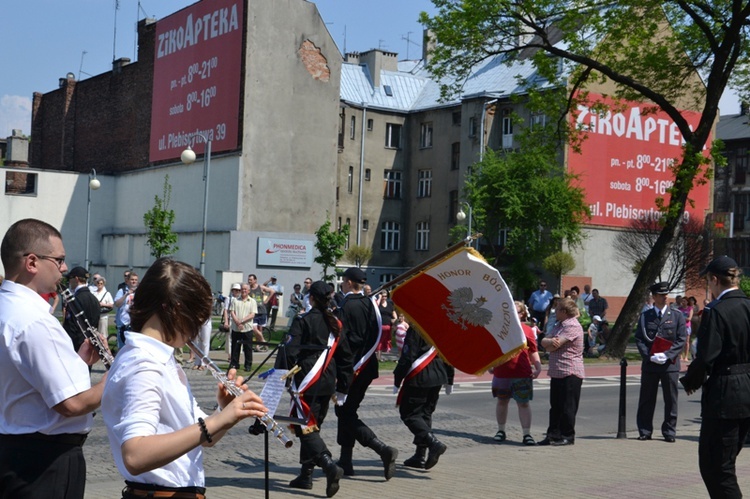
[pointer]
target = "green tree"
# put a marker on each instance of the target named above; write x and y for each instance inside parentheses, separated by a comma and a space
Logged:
(528, 195)
(358, 254)
(559, 264)
(159, 220)
(650, 50)
(330, 246)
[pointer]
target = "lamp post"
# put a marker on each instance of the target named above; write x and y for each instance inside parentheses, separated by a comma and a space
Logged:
(461, 216)
(93, 184)
(188, 157)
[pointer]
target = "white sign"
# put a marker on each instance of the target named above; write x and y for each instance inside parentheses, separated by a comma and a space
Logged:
(285, 252)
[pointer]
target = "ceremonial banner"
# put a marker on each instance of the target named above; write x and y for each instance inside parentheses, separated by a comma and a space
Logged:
(463, 307)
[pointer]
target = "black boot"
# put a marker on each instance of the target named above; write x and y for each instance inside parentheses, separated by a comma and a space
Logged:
(304, 480)
(333, 474)
(387, 454)
(417, 460)
(436, 448)
(345, 461)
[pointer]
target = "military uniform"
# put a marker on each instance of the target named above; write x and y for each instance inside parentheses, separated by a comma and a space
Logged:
(724, 356)
(671, 327)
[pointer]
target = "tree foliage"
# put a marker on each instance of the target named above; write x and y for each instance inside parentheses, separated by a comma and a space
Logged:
(330, 246)
(649, 50)
(358, 254)
(529, 197)
(158, 221)
(559, 264)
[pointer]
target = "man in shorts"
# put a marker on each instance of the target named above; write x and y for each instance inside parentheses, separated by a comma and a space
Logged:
(515, 379)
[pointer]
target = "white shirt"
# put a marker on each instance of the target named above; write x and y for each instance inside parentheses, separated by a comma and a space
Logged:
(122, 317)
(146, 394)
(38, 367)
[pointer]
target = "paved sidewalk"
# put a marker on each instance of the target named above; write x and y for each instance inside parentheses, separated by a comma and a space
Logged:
(597, 466)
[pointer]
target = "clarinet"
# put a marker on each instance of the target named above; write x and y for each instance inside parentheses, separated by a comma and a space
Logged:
(89, 331)
(235, 390)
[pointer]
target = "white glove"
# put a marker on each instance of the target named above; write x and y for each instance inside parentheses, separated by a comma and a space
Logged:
(395, 390)
(340, 398)
(659, 358)
(448, 389)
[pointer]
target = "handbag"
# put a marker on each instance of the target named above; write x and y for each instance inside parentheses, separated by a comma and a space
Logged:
(223, 328)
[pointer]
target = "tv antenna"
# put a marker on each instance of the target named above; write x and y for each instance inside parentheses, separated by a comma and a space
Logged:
(80, 68)
(408, 41)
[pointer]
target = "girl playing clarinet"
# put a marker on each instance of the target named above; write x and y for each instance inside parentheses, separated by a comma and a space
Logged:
(155, 427)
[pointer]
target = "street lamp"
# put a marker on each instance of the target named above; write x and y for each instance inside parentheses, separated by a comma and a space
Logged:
(93, 184)
(461, 216)
(188, 157)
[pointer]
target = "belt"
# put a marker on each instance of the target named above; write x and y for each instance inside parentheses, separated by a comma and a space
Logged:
(733, 369)
(74, 439)
(149, 490)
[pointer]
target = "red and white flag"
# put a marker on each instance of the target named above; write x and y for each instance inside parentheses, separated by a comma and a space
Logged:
(463, 307)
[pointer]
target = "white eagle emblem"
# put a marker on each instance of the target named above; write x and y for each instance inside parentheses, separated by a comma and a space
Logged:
(464, 309)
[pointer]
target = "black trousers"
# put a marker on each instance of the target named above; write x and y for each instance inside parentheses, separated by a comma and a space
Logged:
(647, 402)
(312, 445)
(351, 429)
(32, 469)
(243, 341)
(719, 443)
(564, 395)
(417, 406)
(539, 316)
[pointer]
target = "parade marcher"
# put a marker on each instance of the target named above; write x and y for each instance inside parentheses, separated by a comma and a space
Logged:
(324, 371)
(515, 379)
(421, 373)
(723, 355)
(565, 346)
(46, 397)
(156, 429)
(362, 331)
(660, 338)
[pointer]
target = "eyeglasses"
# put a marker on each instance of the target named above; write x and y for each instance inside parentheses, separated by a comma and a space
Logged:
(59, 260)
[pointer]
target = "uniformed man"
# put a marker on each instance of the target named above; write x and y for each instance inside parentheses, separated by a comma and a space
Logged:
(660, 338)
(362, 331)
(724, 356)
(86, 303)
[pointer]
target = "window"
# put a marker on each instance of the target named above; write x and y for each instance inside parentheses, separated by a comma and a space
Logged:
(390, 236)
(392, 182)
(392, 135)
(740, 202)
(424, 186)
(367, 174)
(507, 129)
(423, 236)
(455, 155)
(339, 225)
(538, 120)
(739, 160)
(348, 224)
(365, 224)
(388, 90)
(425, 135)
(472, 127)
(452, 206)
(370, 125)
(386, 278)
(20, 184)
(456, 118)
(352, 126)
(350, 180)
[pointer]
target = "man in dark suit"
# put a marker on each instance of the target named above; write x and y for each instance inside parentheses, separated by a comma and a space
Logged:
(87, 302)
(723, 356)
(660, 338)
(362, 332)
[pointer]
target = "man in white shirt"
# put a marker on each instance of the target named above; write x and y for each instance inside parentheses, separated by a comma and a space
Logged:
(46, 397)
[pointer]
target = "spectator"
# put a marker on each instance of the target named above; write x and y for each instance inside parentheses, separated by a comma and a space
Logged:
(106, 304)
(597, 304)
(538, 303)
(686, 309)
(565, 346)
(514, 379)
(598, 333)
(226, 318)
(273, 300)
(124, 284)
(388, 317)
(587, 296)
(296, 304)
(401, 327)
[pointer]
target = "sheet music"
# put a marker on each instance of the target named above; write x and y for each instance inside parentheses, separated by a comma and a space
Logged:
(273, 390)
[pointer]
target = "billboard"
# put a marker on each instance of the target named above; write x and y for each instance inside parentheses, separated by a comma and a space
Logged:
(285, 252)
(625, 162)
(197, 74)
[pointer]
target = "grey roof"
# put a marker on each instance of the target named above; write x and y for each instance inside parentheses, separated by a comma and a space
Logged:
(733, 127)
(414, 89)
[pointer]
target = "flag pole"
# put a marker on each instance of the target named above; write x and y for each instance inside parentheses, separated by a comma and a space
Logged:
(465, 242)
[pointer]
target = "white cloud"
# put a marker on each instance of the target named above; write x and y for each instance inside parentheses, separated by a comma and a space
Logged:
(15, 113)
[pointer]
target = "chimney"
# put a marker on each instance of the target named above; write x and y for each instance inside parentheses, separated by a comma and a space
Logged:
(120, 63)
(429, 42)
(18, 149)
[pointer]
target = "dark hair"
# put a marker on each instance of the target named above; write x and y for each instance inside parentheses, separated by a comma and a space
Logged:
(320, 293)
(177, 294)
(25, 236)
(578, 290)
(731, 279)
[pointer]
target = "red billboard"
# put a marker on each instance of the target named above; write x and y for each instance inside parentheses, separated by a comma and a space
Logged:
(625, 162)
(197, 72)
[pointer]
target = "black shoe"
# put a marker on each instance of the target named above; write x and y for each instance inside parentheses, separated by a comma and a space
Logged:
(333, 474)
(435, 449)
(418, 459)
(248, 368)
(546, 441)
(387, 454)
(564, 441)
(304, 480)
(669, 439)
(644, 437)
(234, 366)
(345, 461)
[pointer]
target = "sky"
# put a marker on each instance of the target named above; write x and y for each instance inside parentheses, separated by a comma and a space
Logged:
(43, 40)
